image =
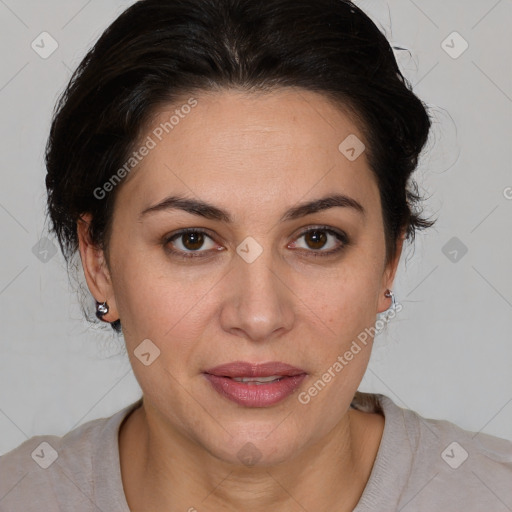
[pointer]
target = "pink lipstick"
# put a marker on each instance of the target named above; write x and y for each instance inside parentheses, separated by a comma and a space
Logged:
(255, 385)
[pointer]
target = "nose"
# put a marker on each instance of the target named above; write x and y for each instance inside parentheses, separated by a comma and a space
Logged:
(258, 303)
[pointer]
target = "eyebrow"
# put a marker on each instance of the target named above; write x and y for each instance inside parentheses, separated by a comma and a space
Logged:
(209, 211)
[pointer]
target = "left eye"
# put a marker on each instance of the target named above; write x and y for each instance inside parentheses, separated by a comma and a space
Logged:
(321, 238)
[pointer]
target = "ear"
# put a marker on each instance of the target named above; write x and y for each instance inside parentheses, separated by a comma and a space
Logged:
(95, 268)
(388, 276)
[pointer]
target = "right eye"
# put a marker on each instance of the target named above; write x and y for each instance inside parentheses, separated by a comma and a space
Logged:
(187, 243)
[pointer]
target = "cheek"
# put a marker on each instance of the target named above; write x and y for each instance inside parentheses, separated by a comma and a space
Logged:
(345, 299)
(340, 319)
(343, 340)
(162, 302)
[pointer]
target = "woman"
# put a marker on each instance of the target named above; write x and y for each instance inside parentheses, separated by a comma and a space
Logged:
(236, 176)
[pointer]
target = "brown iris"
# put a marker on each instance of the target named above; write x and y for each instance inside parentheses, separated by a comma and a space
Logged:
(193, 241)
(318, 239)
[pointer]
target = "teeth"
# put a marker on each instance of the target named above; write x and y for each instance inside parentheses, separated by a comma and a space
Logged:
(258, 380)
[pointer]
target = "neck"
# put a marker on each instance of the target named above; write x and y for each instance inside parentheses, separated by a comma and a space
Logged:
(164, 470)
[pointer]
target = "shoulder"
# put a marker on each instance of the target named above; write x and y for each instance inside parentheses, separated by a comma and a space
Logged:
(49, 469)
(43, 463)
(449, 468)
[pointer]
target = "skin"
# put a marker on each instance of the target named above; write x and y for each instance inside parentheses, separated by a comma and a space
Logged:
(255, 156)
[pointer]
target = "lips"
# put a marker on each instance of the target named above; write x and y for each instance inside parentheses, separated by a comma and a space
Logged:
(255, 385)
(240, 369)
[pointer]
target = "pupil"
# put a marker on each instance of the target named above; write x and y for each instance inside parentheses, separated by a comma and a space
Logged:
(319, 239)
(196, 240)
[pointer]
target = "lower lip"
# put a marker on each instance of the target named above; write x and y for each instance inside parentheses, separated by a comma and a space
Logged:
(255, 395)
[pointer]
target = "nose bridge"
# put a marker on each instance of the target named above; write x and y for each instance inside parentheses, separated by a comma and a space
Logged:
(258, 303)
(257, 277)
(253, 270)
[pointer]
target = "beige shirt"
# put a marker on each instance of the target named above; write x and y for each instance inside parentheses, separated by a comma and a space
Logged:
(421, 465)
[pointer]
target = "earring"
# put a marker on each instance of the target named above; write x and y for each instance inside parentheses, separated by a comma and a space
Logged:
(101, 309)
(389, 293)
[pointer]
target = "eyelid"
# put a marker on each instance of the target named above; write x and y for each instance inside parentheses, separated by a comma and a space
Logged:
(320, 227)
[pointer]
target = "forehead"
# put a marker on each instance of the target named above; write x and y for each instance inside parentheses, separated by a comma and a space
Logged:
(233, 146)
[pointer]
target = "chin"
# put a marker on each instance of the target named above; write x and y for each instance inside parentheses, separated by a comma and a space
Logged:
(257, 449)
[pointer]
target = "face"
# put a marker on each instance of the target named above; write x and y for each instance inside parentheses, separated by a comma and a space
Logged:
(256, 279)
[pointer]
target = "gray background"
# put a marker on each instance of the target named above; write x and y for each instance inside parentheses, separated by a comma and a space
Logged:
(448, 352)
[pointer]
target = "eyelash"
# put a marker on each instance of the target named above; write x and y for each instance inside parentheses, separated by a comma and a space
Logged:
(340, 235)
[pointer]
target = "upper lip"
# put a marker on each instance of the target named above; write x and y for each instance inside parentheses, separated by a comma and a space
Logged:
(246, 369)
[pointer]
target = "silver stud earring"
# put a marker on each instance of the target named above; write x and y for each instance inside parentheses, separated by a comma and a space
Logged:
(389, 293)
(101, 309)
